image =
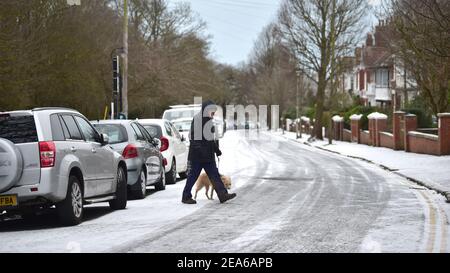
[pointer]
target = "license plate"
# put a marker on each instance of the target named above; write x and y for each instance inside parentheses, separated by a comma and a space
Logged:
(8, 201)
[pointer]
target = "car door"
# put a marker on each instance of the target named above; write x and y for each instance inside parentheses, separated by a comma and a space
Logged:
(141, 144)
(181, 151)
(153, 160)
(76, 145)
(101, 156)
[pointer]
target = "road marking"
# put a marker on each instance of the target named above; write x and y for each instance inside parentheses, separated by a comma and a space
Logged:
(435, 214)
(444, 222)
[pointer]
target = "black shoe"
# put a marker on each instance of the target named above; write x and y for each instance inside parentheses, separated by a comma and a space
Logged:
(226, 196)
(189, 201)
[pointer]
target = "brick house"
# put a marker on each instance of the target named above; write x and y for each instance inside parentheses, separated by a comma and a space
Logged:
(378, 76)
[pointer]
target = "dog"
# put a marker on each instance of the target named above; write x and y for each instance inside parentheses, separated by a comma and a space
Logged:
(203, 181)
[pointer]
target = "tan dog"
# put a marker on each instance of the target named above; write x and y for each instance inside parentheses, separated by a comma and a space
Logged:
(203, 181)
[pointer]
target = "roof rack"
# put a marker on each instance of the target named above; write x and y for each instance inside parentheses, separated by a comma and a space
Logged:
(53, 108)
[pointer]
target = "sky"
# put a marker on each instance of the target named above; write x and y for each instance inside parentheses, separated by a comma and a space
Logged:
(235, 25)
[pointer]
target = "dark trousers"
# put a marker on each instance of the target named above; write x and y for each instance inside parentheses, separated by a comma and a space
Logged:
(194, 170)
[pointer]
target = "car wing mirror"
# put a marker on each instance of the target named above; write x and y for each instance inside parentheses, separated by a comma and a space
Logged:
(105, 139)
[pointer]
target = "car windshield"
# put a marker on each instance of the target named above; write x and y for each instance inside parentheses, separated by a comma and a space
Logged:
(154, 130)
(115, 132)
(182, 126)
(179, 113)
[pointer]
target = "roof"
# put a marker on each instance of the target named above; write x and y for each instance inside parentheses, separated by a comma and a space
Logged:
(182, 120)
(152, 121)
(53, 108)
(112, 121)
(374, 56)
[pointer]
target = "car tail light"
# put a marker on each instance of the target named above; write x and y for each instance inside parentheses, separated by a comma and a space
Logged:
(130, 152)
(47, 152)
(164, 144)
(164, 162)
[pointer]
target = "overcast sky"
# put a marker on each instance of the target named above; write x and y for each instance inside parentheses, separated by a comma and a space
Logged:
(235, 25)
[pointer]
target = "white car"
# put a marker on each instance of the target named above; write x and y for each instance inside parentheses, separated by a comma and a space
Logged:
(183, 125)
(173, 147)
(181, 112)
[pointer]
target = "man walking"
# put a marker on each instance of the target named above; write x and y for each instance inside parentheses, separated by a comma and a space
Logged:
(203, 147)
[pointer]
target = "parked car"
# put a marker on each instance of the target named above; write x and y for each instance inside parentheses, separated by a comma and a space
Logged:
(141, 153)
(181, 112)
(183, 125)
(173, 147)
(54, 156)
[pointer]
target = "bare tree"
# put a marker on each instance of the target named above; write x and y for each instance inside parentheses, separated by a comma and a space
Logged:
(320, 31)
(420, 37)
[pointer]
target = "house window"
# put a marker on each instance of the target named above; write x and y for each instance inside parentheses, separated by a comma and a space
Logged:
(382, 78)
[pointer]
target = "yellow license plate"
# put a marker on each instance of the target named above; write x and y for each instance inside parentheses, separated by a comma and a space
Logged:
(8, 201)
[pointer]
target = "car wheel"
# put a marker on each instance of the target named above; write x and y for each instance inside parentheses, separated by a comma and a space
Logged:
(171, 176)
(70, 210)
(121, 192)
(142, 189)
(183, 175)
(161, 185)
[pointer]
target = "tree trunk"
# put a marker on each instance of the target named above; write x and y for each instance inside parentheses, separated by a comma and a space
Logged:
(319, 105)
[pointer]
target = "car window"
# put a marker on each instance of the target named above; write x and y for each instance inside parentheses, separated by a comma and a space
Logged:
(139, 135)
(168, 129)
(72, 128)
(175, 131)
(57, 129)
(182, 126)
(154, 130)
(146, 134)
(115, 132)
(88, 131)
(18, 128)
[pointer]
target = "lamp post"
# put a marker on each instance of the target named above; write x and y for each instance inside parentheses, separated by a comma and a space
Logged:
(298, 122)
(125, 60)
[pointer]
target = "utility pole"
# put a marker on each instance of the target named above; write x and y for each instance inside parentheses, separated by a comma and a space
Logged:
(298, 121)
(125, 59)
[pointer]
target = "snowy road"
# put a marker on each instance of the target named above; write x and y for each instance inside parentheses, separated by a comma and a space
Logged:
(291, 198)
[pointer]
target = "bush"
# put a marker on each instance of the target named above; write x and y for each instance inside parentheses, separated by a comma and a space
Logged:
(290, 113)
(424, 119)
(421, 110)
(360, 110)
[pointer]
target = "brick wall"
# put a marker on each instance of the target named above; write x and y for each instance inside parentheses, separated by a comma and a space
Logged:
(347, 135)
(423, 143)
(444, 133)
(398, 128)
(356, 129)
(386, 140)
(365, 138)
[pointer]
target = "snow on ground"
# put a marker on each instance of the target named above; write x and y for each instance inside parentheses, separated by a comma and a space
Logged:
(104, 230)
(431, 171)
(434, 171)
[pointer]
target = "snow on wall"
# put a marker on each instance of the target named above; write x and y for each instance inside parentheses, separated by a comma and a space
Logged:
(377, 115)
(355, 117)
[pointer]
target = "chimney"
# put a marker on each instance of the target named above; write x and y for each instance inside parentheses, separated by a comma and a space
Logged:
(369, 40)
(381, 35)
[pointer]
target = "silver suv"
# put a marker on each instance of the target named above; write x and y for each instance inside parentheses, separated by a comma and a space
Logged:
(53, 156)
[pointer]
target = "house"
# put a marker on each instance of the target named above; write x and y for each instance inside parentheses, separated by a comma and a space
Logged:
(379, 78)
